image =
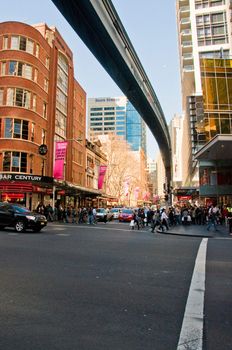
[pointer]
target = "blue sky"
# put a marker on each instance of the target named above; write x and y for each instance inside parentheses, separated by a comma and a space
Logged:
(151, 26)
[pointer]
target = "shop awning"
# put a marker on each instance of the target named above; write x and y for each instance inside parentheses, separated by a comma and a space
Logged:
(15, 186)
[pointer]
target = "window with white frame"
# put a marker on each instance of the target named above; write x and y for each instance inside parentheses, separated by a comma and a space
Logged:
(3, 68)
(18, 97)
(22, 43)
(20, 69)
(5, 42)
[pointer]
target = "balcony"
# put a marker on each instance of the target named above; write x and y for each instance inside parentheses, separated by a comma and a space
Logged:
(184, 11)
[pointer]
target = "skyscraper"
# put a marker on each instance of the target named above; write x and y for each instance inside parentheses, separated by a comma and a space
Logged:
(116, 115)
(204, 29)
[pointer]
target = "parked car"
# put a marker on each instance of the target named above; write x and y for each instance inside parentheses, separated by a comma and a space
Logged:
(19, 217)
(115, 212)
(126, 215)
(103, 215)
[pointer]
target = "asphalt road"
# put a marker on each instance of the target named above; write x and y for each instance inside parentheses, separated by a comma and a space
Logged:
(107, 287)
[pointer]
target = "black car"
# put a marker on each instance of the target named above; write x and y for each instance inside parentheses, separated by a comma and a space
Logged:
(19, 217)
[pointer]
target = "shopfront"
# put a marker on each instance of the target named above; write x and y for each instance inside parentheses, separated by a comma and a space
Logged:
(25, 189)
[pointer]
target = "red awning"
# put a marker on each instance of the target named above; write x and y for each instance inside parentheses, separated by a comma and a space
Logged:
(15, 186)
(13, 195)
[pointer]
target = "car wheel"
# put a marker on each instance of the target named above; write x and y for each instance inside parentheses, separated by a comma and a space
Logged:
(20, 226)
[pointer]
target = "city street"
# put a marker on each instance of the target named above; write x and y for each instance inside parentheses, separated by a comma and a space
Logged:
(82, 287)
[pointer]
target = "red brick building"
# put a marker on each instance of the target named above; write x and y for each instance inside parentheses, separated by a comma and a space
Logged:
(40, 103)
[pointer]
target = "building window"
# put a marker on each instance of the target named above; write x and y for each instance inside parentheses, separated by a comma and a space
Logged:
(5, 42)
(18, 97)
(32, 132)
(31, 163)
(3, 68)
(15, 161)
(47, 62)
(1, 97)
(43, 137)
(16, 128)
(61, 101)
(60, 124)
(45, 110)
(20, 69)
(37, 50)
(22, 43)
(34, 103)
(45, 84)
(80, 158)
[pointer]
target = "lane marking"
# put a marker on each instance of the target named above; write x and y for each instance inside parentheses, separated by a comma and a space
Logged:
(191, 336)
(96, 227)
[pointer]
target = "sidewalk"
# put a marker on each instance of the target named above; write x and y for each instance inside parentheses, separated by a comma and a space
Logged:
(198, 231)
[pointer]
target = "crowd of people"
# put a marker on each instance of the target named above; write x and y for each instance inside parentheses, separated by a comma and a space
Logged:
(161, 218)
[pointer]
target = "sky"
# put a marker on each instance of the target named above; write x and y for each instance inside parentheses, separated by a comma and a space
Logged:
(151, 27)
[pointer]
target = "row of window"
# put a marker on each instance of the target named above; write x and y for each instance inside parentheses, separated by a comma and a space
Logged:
(117, 108)
(20, 129)
(18, 97)
(199, 4)
(22, 43)
(21, 69)
(106, 113)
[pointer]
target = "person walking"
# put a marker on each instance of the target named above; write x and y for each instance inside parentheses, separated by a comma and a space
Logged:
(164, 219)
(212, 217)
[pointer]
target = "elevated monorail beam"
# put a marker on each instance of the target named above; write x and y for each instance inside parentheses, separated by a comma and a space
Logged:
(99, 26)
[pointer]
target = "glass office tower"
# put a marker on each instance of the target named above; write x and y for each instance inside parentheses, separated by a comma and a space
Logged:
(107, 115)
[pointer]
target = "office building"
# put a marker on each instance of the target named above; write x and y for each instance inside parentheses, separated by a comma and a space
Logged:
(116, 115)
(204, 31)
(40, 102)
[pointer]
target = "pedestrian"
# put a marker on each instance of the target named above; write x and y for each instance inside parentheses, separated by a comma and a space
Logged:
(212, 217)
(229, 218)
(90, 216)
(164, 219)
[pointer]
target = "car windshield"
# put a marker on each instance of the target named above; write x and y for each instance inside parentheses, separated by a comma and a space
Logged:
(127, 211)
(114, 210)
(101, 210)
(19, 209)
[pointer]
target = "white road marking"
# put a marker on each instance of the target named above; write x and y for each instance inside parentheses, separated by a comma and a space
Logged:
(191, 336)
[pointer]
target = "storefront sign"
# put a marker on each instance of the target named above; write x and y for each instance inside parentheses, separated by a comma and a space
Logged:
(25, 177)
